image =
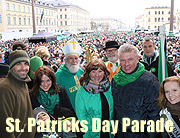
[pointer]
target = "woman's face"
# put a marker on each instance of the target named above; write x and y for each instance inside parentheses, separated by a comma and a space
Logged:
(96, 75)
(46, 83)
(172, 91)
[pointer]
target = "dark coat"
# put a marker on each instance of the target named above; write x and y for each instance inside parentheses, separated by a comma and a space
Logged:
(155, 65)
(136, 101)
(63, 101)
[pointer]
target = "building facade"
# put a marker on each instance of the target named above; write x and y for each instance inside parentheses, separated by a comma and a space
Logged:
(17, 16)
(53, 16)
(105, 24)
(155, 17)
(71, 17)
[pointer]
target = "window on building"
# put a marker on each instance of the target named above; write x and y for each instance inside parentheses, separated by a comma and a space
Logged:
(158, 19)
(169, 12)
(162, 12)
(159, 12)
(43, 22)
(28, 10)
(8, 20)
(19, 8)
(13, 7)
(155, 12)
(36, 11)
(36, 21)
(46, 22)
(149, 27)
(60, 9)
(65, 16)
(65, 9)
(14, 20)
(40, 11)
(149, 12)
(60, 16)
(162, 19)
(61, 23)
(155, 27)
(155, 19)
(169, 19)
(49, 22)
(20, 21)
(24, 10)
(24, 21)
(46, 12)
(29, 21)
(0, 19)
(49, 13)
(149, 20)
(7, 6)
(65, 22)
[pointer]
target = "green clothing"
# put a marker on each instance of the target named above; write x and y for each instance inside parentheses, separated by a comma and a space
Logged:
(48, 101)
(122, 78)
(88, 106)
(15, 103)
(69, 81)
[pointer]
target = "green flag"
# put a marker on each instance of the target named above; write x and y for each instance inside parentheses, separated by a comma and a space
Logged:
(162, 66)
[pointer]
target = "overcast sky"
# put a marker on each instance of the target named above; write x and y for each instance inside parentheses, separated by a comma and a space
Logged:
(126, 10)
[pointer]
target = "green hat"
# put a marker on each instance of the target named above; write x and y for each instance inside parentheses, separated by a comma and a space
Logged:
(16, 57)
(35, 62)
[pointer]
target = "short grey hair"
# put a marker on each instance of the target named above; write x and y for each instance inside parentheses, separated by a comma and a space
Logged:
(128, 48)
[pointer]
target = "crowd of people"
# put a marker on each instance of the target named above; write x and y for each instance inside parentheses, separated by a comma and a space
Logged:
(110, 76)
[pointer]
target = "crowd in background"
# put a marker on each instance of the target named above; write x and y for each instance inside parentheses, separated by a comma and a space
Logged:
(56, 78)
(95, 42)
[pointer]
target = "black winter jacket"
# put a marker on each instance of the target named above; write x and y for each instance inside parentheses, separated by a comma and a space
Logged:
(153, 67)
(136, 101)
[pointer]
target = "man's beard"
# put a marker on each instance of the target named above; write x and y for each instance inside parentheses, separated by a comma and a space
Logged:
(72, 68)
(112, 57)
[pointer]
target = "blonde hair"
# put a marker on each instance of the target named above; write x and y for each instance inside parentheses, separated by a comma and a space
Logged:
(128, 48)
(42, 52)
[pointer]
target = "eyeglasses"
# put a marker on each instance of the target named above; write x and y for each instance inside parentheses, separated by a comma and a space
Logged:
(113, 50)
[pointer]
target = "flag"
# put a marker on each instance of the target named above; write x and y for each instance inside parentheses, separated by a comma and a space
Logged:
(42, 16)
(162, 66)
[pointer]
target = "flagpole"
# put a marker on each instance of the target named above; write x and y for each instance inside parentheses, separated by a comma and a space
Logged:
(162, 67)
(33, 18)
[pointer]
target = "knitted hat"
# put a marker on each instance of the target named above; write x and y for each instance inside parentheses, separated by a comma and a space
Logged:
(4, 68)
(38, 111)
(35, 62)
(16, 57)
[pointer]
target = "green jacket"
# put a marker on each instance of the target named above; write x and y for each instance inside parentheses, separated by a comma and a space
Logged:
(88, 106)
(16, 104)
(69, 81)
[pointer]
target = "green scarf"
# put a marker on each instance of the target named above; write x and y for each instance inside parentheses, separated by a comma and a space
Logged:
(122, 78)
(48, 101)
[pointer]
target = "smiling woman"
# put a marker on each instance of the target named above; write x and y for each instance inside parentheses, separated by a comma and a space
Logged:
(47, 93)
(94, 97)
(169, 102)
